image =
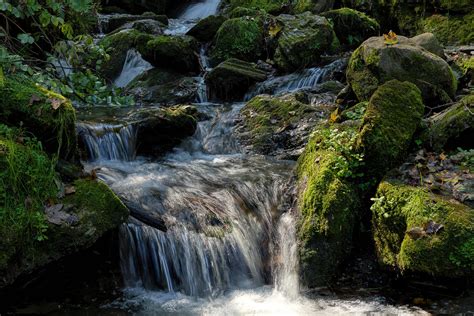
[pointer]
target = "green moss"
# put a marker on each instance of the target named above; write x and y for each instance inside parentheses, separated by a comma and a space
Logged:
(352, 27)
(450, 30)
(392, 116)
(303, 40)
(354, 113)
(27, 181)
(264, 115)
(242, 12)
(175, 52)
(27, 105)
(271, 6)
(241, 38)
(315, 6)
(458, 6)
(329, 205)
(398, 208)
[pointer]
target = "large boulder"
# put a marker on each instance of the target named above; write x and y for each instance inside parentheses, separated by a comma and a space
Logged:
(179, 53)
(304, 38)
(40, 221)
(339, 169)
(352, 27)
(328, 203)
(391, 118)
(315, 6)
(110, 23)
(43, 113)
(242, 38)
(232, 78)
(280, 126)
(206, 29)
(375, 62)
(420, 232)
(270, 6)
(453, 127)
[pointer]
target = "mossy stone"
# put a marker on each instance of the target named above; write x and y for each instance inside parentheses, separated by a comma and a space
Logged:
(375, 62)
(315, 6)
(45, 114)
(270, 6)
(304, 38)
(398, 208)
(206, 29)
(391, 118)
(241, 38)
(450, 30)
(352, 27)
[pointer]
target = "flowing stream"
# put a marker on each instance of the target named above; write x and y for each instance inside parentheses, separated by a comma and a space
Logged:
(229, 247)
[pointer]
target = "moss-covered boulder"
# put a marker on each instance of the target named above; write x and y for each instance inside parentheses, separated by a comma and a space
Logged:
(315, 6)
(328, 203)
(159, 86)
(179, 53)
(453, 127)
(450, 30)
(242, 38)
(420, 232)
(43, 113)
(429, 42)
(206, 29)
(375, 62)
(270, 6)
(279, 126)
(391, 118)
(117, 45)
(352, 27)
(38, 224)
(232, 78)
(116, 21)
(304, 38)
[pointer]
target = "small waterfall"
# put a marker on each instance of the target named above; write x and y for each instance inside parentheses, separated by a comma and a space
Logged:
(200, 10)
(286, 277)
(206, 67)
(108, 141)
(307, 78)
(103, 23)
(134, 66)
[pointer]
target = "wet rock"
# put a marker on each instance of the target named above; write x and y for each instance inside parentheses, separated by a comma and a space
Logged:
(206, 29)
(160, 86)
(442, 248)
(451, 127)
(160, 129)
(147, 22)
(429, 42)
(280, 126)
(375, 62)
(352, 27)
(232, 78)
(304, 38)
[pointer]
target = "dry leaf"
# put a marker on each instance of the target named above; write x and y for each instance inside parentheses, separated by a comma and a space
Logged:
(70, 189)
(442, 156)
(390, 38)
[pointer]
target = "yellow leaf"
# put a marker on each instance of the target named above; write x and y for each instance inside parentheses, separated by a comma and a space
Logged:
(56, 103)
(390, 38)
(274, 29)
(442, 156)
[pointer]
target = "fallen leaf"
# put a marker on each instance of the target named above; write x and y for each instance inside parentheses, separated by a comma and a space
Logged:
(442, 156)
(431, 227)
(70, 189)
(416, 233)
(390, 38)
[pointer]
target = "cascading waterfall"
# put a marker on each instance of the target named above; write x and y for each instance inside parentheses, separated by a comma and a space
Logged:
(307, 78)
(200, 10)
(108, 141)
(134, 66)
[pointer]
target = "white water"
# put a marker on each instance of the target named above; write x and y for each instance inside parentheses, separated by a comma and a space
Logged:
(200, 10)
(134, 66)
